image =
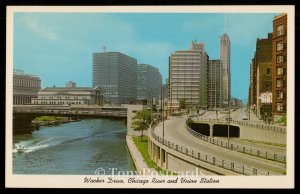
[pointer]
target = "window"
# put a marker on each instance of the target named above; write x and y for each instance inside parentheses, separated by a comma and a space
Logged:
(279, 95)
(279, 70)
(280, 30)
(279, 83)
(279, 46)
(268, 71)
(279, 59)
(279, 106)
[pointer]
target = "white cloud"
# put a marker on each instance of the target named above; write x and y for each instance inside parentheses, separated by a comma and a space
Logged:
(39, 29)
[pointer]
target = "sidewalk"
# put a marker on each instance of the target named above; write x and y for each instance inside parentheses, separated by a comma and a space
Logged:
(253, 117)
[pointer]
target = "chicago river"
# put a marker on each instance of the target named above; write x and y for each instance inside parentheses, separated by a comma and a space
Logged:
(74, 148)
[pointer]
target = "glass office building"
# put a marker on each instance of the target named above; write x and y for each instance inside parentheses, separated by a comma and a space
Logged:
(116, 74)
(149, 83)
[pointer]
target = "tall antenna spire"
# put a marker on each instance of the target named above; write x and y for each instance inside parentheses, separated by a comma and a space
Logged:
(225, 22)
(104, 49)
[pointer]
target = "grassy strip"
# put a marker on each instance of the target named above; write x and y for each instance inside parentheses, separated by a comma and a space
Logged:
(143, 148)
(49, 118)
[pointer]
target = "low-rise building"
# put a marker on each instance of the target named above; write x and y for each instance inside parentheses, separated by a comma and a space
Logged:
(69, 96)
(25, 87)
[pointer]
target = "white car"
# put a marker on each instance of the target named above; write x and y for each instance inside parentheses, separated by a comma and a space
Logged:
(245, 117)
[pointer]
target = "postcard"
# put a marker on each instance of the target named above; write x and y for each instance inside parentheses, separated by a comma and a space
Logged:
(150, 97)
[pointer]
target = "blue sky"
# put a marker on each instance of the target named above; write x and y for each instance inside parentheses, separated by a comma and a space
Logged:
(58, 46)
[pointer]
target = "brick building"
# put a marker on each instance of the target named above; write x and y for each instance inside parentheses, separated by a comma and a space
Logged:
(279, 66)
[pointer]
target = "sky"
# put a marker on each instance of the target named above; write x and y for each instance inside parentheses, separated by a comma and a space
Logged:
(58, 47)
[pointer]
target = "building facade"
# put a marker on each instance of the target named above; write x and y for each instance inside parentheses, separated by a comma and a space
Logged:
(25, 87)
(226, 76)
(279, 67)
(214, 84)
(188, 76)
(69, 96)
(263, 63)
(116, 74)
(149, 82)
(252, 87)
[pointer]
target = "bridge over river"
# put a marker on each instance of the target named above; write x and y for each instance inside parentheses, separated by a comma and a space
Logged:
(24, 114)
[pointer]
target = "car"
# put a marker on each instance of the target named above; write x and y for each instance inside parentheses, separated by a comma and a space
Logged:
(228, 119)
(245, 117)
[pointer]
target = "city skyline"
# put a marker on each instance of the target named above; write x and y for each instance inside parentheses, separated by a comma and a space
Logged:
(51, 44)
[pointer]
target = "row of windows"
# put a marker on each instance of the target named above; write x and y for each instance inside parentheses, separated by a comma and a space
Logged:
(59, 97)
(26, 83)
(53, 102)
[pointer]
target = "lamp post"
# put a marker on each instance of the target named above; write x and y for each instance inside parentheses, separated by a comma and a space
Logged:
(162, 112)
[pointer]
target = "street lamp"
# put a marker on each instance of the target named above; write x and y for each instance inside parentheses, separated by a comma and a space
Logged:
(162, 111)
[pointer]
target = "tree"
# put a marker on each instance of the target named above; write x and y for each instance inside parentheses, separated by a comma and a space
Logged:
(141, 121)
(182, 103)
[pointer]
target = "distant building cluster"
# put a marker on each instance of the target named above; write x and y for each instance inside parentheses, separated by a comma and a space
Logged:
(199, 81)
(268, 73)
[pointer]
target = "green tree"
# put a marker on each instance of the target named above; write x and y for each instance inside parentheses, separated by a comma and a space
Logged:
(141, 121)
(182, 103)
(282, 121)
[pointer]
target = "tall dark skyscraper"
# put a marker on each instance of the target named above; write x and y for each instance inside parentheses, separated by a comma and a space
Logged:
(116, 74)
(225, 58)
(149, 82)
(214, 84)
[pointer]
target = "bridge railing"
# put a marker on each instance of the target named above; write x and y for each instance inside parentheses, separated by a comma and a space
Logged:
(216, 161)
(278, 157)
(279, 129)
(119, 113)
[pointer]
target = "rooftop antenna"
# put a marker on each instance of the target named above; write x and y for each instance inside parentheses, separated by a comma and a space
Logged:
(104, 49)
(225, 23)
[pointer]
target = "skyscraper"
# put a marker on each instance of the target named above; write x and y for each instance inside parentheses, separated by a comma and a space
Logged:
(116, 74)
(214, 84)
(148, 82)
(188, 76)
(225, 58)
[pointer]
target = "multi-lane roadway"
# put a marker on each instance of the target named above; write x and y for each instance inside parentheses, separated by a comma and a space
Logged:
(174, 131)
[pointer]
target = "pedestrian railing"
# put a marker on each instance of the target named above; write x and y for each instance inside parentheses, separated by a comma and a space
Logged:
(216, 161)
(278, 157)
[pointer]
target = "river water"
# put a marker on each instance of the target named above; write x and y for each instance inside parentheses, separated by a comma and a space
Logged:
(77, 148)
